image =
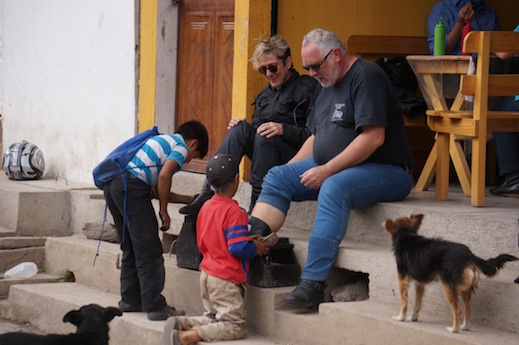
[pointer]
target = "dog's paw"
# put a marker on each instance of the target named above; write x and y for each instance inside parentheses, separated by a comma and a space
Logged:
(399, 318)
(465, 326)
(413, 318)
(452, 330)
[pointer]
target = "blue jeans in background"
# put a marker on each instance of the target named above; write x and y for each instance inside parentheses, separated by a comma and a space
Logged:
(507, 143)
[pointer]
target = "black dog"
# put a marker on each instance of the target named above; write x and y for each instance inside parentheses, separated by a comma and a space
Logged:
(92, 329)
(424, 260)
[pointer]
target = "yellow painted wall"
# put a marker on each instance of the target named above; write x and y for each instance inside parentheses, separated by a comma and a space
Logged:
(377, 17)
(252, 21)
(148, 64)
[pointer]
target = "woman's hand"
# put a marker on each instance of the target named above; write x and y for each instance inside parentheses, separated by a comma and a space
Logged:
(270, 129)
(234, 121)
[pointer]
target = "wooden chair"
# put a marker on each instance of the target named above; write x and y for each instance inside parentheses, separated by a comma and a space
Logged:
(474, 124)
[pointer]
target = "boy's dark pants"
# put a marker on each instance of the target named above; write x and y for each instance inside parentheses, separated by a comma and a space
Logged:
(142, 268)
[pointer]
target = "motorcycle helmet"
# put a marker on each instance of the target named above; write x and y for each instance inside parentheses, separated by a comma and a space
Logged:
(23, 161)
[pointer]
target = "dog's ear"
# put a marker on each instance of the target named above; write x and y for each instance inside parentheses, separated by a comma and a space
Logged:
(416, 220)
(389, 226)
(110, 312)
(75, 317)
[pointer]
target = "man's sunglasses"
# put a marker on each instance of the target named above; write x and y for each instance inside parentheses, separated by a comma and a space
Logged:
(318, 65)
(271, 68)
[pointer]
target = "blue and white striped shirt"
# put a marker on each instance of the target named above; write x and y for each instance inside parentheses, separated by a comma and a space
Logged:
(150, 158)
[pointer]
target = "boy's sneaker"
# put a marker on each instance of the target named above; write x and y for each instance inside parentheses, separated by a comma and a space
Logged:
(164, 314)
(170, 326)
(126, 307)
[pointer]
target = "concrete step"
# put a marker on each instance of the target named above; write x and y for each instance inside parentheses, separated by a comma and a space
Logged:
(488, 230)
(494, 304)
(15, 250)
(366, 250)
(43, 305)
(6, 283)
(47, 207)
(54, 208)
(21, 242)
(33, 210)
(4, 232)
(336, 323)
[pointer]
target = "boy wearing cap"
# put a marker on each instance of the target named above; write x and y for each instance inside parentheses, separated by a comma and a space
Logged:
(224, 242)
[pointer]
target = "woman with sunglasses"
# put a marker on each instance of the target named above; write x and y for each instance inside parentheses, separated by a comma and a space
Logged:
(278, 127)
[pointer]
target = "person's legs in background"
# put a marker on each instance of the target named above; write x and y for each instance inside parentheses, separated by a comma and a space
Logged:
(507, 151)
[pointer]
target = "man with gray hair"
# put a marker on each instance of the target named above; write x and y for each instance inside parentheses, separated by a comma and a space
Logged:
(357, 155)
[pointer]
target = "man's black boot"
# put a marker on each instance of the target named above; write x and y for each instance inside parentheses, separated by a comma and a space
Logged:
(307, 294)
(194, 206)
(258, 227)
(510, 186)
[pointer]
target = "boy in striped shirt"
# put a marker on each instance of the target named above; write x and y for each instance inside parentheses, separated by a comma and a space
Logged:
(149, 175)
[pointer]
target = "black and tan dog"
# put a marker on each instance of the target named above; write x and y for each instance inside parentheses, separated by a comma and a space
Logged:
(424, 260)
(92, 329)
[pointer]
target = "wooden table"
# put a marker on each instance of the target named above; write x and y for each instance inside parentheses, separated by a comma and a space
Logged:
(430, 71)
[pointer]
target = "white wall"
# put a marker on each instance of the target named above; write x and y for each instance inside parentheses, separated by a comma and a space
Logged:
(68, 80)
(167, 46)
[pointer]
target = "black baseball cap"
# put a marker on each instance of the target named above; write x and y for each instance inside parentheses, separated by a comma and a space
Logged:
(221, 170)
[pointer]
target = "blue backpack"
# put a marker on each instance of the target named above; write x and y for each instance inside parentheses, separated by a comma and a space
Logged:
(115, 163)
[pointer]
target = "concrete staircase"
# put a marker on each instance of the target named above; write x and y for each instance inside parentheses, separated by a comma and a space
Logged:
(365, 253)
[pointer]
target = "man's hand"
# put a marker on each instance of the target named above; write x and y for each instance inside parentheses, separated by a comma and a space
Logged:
(270, 129)
(314, 178)
(466, 13)
(234, 121)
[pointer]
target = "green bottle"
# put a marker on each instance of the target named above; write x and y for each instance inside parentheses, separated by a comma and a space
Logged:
(439, 38)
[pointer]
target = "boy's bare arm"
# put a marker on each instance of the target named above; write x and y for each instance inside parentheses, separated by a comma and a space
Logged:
(164, 189)
(180, 198)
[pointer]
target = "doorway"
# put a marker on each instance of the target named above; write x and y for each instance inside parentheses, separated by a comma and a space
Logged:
(205, 69)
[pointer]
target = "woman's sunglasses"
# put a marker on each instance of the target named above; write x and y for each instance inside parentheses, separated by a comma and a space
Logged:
(271, 68)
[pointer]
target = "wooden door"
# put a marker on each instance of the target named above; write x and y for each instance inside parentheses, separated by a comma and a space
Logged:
(205, 65)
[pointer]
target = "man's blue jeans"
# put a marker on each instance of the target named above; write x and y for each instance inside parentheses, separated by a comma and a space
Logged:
(352, 188)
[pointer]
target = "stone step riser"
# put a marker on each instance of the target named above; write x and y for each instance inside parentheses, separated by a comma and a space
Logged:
(45, 304)
(31, 211)
(336, 323)
(5, 284)
(12, 257)
(498, 297)
(36, 213)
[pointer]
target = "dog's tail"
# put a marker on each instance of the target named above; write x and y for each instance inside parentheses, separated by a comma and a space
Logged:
(491, 266)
